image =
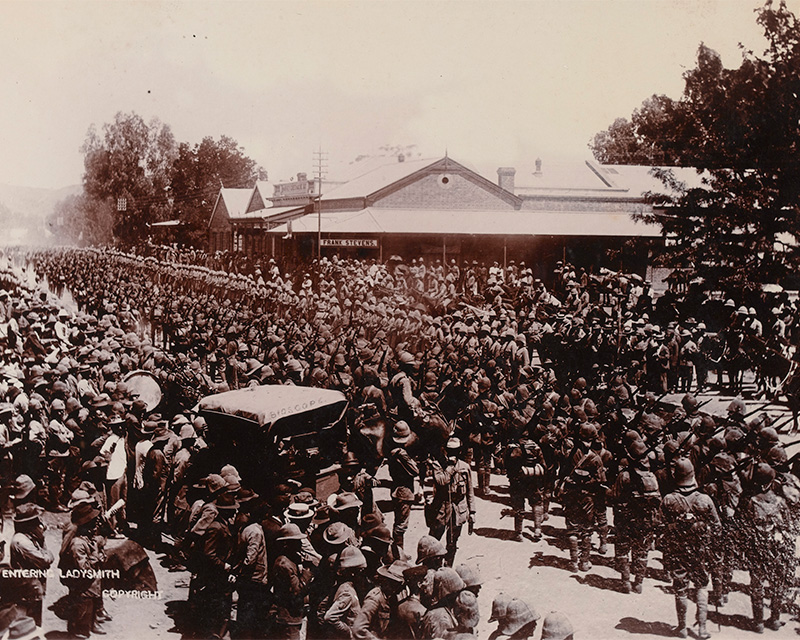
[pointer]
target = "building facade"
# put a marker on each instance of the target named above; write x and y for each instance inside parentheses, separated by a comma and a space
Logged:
(442, 210)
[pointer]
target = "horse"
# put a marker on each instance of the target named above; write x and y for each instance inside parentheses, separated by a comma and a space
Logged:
(770, 365)
(790, 387)
(728, 356)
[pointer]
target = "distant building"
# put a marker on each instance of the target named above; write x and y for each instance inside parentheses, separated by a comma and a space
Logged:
(443, 210)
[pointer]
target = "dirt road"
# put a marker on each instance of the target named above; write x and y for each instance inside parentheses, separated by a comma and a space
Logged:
(535, 571)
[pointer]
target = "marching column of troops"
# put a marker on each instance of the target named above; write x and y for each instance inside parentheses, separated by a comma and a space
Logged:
(470, 370)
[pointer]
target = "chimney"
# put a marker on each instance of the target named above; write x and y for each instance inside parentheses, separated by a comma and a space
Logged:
(401, 157)
(538, 171)
(505, 178)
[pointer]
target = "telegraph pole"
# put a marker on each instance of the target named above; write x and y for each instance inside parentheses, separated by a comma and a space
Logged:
(320, 160)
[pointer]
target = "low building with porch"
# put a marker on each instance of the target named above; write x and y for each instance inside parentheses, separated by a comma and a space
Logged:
(443, 210)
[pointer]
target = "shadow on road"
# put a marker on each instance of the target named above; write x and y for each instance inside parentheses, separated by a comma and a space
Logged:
(554, 532)
(730, 620)
(494, 497)
(183, 617)
(539, 559)
(498, 534)
(603, 561)
(642, 627)
(662, 575)
(599, 582)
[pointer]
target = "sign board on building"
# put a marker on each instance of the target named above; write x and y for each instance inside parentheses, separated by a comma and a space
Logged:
(349, 242)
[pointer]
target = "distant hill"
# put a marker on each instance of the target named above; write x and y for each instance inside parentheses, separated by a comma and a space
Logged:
(24, 209)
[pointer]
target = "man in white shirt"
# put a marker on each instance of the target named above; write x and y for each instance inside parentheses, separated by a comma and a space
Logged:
(114, 451)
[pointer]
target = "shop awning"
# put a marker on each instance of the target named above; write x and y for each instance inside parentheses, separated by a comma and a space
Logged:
(469, 222)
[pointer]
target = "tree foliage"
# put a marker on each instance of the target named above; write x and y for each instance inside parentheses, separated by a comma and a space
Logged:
(619, 144)
(644, 139)
(130, 162)
(197, 175)
(136, 174)
(740, 129)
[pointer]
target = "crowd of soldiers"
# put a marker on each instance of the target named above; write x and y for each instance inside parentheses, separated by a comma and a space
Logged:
(472, 369)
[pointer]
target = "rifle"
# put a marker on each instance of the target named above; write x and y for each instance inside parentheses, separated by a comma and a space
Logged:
(422, 367)
(635, 420)
(383, 360)
(674, 420)
(782, 424)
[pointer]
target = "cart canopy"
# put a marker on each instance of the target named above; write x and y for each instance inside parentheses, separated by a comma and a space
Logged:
(268, 405)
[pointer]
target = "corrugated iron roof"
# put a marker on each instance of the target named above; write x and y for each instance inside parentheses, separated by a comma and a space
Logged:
(266, 189)
(236, 200)
(266, 213)
(467, 222)
(639, 179)
(377, 179)
(557, 175)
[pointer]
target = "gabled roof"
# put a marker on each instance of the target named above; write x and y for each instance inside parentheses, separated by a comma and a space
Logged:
(377, 178)
(261, 195)
(341, 172)
(234, 200)
(265, 188)
(389, 178)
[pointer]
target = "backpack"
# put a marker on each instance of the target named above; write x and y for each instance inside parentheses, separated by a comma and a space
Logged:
(645, 495)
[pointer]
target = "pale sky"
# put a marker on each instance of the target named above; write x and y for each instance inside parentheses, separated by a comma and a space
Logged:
(492, 82)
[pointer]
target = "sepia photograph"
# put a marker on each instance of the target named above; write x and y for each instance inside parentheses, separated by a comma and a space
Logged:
(399, 320)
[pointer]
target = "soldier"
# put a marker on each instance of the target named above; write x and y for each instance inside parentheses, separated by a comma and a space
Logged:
(156, 474)
(403, 469)
(251, 570)
(556, 626)
(402, 388)
(82, 553)
(453, 500)
(59, 438)
(525, 467)
(636, 501)
(578, 498)
(344, 606)
(725, 489)
(372, 622)
(519, 622)
(28, 551)
(411, 611)
(467, 615)
(290, 584)
(214, 581)
(768, 547)
(483, 434)
(440, 620)
(690, 523)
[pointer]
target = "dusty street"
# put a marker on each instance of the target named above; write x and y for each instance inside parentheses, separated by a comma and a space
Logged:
(536, 572)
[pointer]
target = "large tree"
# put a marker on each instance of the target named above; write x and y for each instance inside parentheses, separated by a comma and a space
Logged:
(197, 175)
(740, 129)
(647, 138)
(129, 163)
